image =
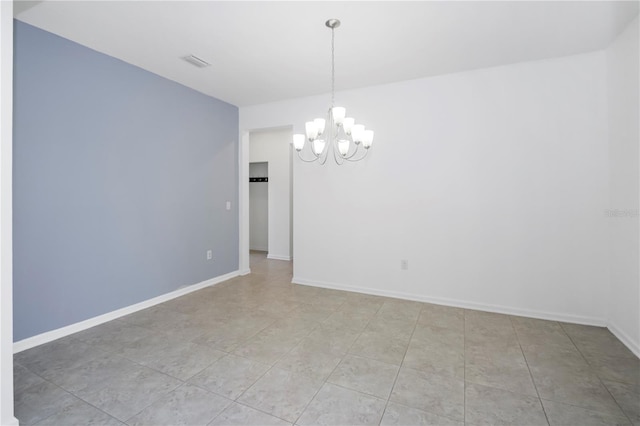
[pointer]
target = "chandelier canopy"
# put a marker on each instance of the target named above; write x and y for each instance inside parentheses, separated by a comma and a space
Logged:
(338, 133)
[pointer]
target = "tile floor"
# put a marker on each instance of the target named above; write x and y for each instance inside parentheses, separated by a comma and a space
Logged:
(259, 350)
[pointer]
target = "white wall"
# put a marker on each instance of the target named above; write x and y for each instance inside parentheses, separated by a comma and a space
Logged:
(623, 90)
(6, 244)
(259, 208)
(273, 147)
(491, 183)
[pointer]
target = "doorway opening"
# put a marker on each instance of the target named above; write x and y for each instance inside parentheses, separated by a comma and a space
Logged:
(259, 206)
(266, 150)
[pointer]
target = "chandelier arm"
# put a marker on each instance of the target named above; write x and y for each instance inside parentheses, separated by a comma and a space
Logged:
(323, 159)
(355, 151)
(305, 160)
(337, 157)
(366, 151)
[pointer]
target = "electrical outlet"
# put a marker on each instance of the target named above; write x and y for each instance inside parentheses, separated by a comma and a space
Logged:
(404, 264)
(209, 255)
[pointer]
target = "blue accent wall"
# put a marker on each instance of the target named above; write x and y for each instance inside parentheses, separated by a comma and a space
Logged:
(120, 184)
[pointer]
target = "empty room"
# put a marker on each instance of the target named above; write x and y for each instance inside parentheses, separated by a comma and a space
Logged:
(319, 213)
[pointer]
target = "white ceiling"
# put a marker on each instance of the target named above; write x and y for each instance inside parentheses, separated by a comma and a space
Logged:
(267, 51)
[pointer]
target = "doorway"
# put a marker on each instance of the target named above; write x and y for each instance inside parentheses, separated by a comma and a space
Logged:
(271, 146)
(259, 206)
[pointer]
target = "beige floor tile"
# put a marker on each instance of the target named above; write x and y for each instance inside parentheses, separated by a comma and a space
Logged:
(365, 375)
(128, 391)
(187, 405)
(334, 405)
(241, 415)
(452, 338)
(231, 335)
(581, 388)
(504, 368)
(230, 376)
(56, 358)
(569, 415)
(596, 340)
(400, 310)
(352, 319)
(435, 355)
(615, 368)
(268, 347)
(112, 335)
(310, 362)
(396, 414)
(184, 361)
(281, 393)
(628, 398)
(383, 347)
(442, 316)
(490, 406)
(395, 327)
(330, 338)
(40, 401)
(23, 378)
(541, 358)
(79, 413)
(439, 394)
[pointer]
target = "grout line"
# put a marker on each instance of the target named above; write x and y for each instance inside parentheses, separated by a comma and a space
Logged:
(273, 366)
(395, 380)
(61, 388)
(597, 375)
(154, 401)
(252, 408)
(334, 368)
(529, 369)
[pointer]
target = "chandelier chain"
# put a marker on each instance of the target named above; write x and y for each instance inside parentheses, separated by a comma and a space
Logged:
(333, 67)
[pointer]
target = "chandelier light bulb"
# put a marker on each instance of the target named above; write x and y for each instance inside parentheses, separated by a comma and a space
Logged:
(319, 123)
(357, 133)
(367, 139)
(298, 141)
(311, 129)
(343, 147)
(338, 114)
(347, 124)
(318, 146)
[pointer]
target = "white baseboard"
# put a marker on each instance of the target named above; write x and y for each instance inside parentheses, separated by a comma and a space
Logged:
(552, 316)
(259, 248)
(245, 272)
(100, 319)
(278, 257)
(625, 338)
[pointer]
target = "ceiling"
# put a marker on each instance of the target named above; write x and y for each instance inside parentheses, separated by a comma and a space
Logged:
(267, 51)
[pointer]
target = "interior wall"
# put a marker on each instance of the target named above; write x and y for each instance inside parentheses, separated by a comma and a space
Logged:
(273, 147)
(121, 180)
(491, 183)
(624, 111)
(6, 214)
(259, 208)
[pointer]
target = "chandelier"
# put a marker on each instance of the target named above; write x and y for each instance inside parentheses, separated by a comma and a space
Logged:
(338, 133)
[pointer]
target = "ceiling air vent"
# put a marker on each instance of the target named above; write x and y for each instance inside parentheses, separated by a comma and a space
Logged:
(194, 60)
